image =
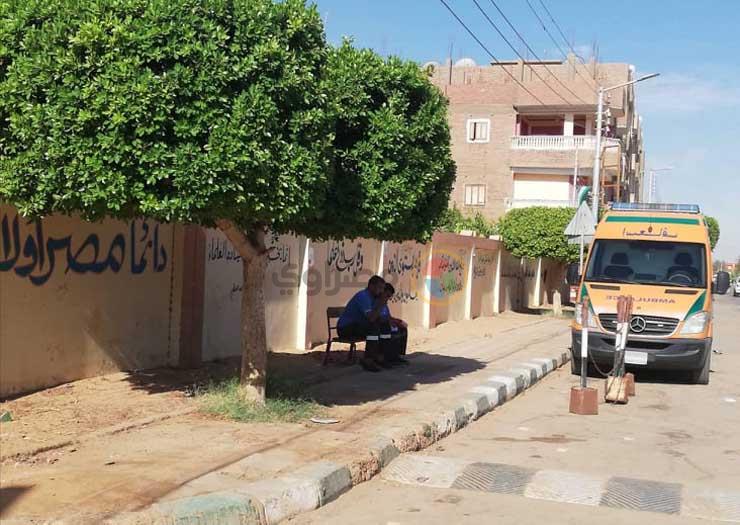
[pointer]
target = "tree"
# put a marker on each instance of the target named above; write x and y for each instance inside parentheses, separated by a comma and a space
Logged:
(392, 165)
(226, 113)
(454, 221)
(713, 227)
(537, 231)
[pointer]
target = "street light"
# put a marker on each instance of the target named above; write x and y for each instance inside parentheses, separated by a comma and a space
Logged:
(651, 188)
(597, 156)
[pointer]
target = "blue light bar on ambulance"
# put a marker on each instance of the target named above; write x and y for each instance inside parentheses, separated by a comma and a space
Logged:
(652, 206)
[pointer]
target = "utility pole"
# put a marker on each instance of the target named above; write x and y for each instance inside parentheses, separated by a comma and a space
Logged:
(449, 82)
(597, 153)
(596, 194)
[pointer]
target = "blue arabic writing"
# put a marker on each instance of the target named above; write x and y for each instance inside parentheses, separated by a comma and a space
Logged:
(37, 258)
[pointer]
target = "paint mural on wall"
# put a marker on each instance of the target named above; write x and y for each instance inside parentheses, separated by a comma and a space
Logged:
(27, 251)
(448, 274)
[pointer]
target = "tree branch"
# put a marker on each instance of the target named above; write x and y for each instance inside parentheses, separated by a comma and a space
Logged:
(243, 243)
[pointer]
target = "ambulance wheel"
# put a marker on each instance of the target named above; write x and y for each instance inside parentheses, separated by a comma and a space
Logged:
(701, 376)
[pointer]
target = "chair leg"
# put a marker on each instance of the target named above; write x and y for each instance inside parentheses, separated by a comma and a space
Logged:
(326, 355)
(352, 350)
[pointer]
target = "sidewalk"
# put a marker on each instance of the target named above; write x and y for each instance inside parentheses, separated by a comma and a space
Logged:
(123, 442)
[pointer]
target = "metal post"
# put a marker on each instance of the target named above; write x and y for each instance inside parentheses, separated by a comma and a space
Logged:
(584, 342)
(580, 257)
(575, 180)
(597, 158)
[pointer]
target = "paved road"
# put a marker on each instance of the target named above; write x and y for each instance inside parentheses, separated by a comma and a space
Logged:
(672, 455)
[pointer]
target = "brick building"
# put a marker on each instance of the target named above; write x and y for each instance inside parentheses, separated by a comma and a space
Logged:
(517, 149)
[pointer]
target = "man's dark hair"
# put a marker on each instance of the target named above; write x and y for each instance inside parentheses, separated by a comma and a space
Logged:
(375, 279)
(389, 288)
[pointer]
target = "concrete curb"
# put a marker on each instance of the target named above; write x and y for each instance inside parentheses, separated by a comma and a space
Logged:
(269, 502)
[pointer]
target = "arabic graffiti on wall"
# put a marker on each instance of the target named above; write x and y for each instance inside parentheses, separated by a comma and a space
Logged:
(36, 256)
(406, 263)
(483, 262)
(403, 271)
(221, 249)
(345, 260)
(278, 251)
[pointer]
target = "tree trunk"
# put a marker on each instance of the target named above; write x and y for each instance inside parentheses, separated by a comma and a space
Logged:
(251, 248)
(254, 335)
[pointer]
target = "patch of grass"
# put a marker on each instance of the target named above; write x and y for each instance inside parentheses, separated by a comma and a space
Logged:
(286, 402)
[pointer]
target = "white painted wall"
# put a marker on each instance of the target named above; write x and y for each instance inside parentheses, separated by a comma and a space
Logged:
(542, 187)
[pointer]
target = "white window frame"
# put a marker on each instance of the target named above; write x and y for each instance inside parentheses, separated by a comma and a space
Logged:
(471, 127)
(477, 193)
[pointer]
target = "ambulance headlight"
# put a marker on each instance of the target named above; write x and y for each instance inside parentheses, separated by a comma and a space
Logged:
(696, 324)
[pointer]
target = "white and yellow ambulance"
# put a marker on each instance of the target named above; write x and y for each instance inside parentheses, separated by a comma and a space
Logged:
(661, 256)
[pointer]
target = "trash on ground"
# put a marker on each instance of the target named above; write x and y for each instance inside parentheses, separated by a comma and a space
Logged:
(324, 420)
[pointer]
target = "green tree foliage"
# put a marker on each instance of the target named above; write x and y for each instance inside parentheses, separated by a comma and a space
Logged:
(538, 232)
(392, 166)
(228, 113)
(189, 110)
(713, 227)
(454, 221)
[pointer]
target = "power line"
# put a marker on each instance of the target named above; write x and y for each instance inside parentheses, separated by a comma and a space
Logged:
(554, 40)
(529, 48)
(517, 52)
(557, 26)
(470, 32)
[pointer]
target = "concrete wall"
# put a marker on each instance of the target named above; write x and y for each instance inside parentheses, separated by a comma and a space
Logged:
(484, 274)
(405, 267)
(223, 294)
(336, 271)
(81, 299)
(510, 291)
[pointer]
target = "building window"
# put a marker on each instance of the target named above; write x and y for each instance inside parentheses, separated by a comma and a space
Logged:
(479, 130)
(475, 194)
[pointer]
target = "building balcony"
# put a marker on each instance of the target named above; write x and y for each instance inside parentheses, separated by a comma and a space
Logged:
(559, 142)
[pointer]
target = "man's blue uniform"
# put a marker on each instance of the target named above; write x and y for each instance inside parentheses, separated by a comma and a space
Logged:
(357, 309)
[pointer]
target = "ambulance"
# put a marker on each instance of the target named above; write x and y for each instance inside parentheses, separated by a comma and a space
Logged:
(660, 255)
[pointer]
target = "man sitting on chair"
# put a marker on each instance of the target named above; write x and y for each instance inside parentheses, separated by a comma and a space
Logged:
(362, 318)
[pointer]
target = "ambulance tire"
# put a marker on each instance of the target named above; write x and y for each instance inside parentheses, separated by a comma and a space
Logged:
(701, 376)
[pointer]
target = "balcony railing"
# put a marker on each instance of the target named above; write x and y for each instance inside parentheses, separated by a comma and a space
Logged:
(558, 142)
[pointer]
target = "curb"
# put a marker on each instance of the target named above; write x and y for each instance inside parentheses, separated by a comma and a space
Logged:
(269, 502)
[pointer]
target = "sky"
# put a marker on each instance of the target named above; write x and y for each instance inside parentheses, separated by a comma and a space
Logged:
(691, 113)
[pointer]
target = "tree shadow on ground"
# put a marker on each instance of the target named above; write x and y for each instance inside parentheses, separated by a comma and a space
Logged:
(303, 375)
(9, 496)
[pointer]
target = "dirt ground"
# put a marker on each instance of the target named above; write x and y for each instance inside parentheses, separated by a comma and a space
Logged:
(116, 402)
(94, 447)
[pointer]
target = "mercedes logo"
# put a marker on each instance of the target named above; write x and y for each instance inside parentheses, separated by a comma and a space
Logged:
(638, 324)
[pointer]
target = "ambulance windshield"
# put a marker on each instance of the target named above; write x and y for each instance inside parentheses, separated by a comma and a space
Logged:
(648, 262)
